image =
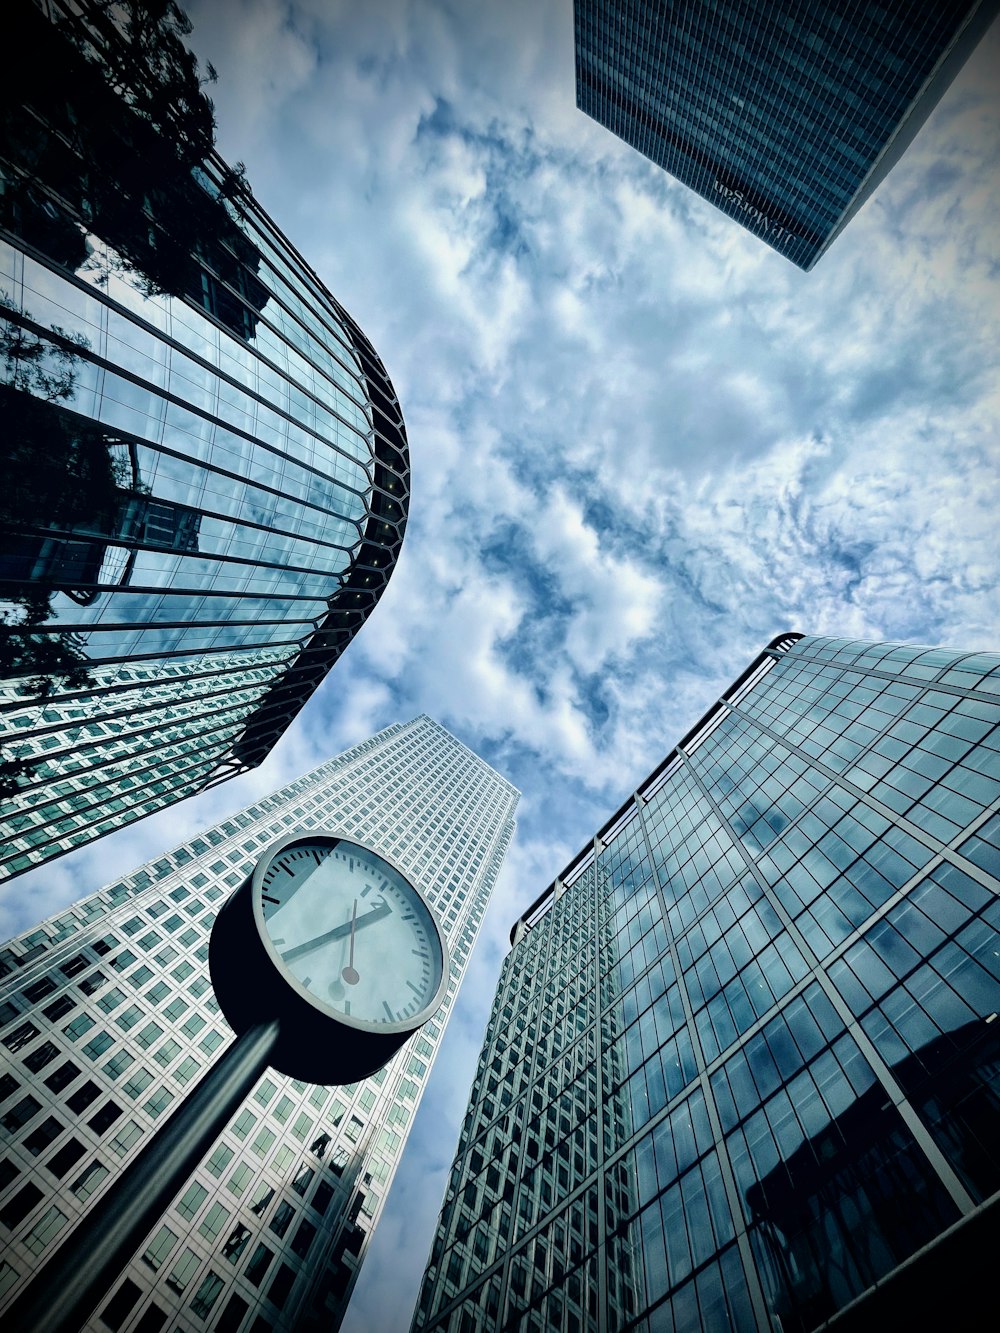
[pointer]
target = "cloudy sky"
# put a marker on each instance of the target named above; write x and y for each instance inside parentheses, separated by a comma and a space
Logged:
(642, 443)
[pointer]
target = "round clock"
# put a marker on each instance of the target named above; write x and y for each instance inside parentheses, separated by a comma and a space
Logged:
(334, 940)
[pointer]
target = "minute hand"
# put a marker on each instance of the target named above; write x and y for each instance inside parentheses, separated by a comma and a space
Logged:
(337, 933)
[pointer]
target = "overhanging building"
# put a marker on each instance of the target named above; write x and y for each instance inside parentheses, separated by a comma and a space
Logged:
(785, 115)
(741, 1071)
(109, 1021)
(206, 471)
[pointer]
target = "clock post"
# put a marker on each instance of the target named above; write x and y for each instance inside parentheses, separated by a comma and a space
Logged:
(362, 966)
(63, 1293)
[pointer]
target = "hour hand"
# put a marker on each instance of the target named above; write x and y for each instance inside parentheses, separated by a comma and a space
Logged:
(337, 933)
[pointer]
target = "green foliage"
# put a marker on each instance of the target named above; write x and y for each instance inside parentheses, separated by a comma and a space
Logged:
(104, 125)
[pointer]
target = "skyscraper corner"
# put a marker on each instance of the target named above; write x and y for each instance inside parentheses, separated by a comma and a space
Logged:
(786, 116)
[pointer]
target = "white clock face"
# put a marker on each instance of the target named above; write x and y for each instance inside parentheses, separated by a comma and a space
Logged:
(351, 930)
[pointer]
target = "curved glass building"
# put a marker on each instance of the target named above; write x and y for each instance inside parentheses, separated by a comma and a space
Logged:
(206, 466)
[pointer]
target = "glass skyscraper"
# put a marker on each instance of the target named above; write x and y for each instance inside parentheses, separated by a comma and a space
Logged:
(743, 1061)
(108, 1020)
(785, 115)
(206, 470)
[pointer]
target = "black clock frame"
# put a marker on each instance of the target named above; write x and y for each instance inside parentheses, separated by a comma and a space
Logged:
(251, 986)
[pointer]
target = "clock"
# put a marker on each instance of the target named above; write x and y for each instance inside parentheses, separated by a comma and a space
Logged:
(350, 931)
(331, 938)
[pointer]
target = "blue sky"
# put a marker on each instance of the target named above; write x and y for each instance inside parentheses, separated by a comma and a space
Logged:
(642, 443)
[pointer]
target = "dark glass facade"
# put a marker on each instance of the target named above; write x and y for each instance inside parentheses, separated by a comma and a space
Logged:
(784, 115)
(108, 1021)
(743, 1061)
(207, 474)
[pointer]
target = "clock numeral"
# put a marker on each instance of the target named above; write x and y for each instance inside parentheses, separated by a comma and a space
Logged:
(414, 988)
(268, 899)
(388, 1012)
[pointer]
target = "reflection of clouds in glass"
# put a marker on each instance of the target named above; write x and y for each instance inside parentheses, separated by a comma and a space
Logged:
(243, 396)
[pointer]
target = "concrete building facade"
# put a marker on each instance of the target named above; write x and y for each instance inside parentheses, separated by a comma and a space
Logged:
(109, 1020)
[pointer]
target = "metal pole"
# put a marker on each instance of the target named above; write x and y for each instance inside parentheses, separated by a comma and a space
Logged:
(62, 1294)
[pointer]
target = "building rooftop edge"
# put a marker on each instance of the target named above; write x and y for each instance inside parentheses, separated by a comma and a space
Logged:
(707, 722)
(426, 717)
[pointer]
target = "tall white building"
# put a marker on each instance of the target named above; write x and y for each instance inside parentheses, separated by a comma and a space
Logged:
(108, 1017)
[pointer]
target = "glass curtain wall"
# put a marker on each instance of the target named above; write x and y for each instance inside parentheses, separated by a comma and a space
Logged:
(784, 115)
(743, 1058)
(207, 471)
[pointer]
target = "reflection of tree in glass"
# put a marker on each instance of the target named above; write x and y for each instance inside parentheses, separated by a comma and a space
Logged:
(73, 512)
(138, 48)
(50, 479)
(105, 128)
(36, 365)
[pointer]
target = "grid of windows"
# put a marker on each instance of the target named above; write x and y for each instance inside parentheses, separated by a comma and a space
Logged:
(785, 116)
(742, 1060)
(274, 1223)
(230, 399)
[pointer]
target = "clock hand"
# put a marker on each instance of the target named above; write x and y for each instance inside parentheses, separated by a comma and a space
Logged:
(337, 933)
(349, 974)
